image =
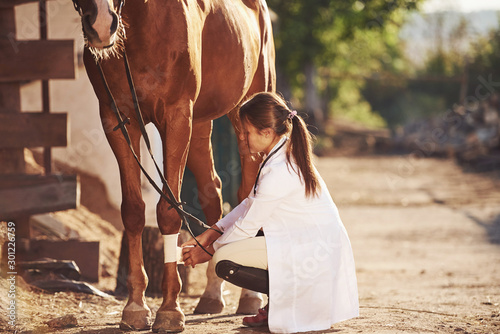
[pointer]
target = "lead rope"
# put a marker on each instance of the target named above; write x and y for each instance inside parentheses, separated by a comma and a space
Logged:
(169, 197)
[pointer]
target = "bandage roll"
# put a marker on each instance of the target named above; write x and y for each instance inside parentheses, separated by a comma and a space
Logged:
(170, 247)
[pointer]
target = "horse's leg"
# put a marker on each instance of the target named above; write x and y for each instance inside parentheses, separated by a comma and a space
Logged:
(136, 314)
(175, 137)
(201, 163)
(250, 301)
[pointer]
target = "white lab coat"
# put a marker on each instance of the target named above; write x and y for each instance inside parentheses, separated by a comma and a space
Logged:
(312, 279)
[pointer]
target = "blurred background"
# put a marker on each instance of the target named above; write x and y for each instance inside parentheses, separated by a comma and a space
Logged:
(425, 74)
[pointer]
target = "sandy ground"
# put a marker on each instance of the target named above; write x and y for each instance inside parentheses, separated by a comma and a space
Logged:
(426, 240)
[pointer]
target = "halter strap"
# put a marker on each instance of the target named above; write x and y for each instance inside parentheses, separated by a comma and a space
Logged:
(78, 8)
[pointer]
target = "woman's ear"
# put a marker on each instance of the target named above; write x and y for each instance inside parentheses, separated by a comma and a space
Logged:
(267, 132)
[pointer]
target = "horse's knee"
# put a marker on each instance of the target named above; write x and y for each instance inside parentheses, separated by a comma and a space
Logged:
(169, 220)
(210, 199)
(133, 215)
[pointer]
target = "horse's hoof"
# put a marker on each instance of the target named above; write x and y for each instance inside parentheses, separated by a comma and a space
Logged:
(136, 318)
(169, 322)
(249, 305)
(209, 306)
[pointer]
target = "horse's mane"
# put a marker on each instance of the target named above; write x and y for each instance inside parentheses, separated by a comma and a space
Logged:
(113, 51)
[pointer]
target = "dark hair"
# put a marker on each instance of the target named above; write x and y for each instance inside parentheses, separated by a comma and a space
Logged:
(270, 111)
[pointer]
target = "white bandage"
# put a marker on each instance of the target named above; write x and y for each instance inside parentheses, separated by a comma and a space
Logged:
(170, 247)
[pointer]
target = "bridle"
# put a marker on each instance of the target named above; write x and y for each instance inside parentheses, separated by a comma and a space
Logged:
(167, 195)
(121, 3)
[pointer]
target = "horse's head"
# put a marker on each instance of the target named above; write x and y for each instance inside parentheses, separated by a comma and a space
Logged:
(101, 23)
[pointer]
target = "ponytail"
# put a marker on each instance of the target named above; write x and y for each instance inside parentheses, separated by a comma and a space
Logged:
(301, 150)
(269, 110)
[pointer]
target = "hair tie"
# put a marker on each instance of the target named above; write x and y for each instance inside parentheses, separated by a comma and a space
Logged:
(292, 114)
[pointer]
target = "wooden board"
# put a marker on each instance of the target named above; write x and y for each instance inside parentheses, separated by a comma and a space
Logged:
(10, 97)
(24, 195)
(33, 130)
(7, 22)
(84, 253)
(12, 3)
(36, 60)
(12, 161)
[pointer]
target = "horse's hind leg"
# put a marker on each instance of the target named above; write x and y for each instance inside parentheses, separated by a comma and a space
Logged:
(250, 301)
(201, 163)
(136, 314)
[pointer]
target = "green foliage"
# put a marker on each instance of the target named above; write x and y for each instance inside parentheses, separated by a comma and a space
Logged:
(485, 64)
(347, 40)
(350, 104)
(450, 76)
(361, 71)
(402, 102)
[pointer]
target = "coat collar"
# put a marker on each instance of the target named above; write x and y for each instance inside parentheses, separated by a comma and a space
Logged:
(281, 153)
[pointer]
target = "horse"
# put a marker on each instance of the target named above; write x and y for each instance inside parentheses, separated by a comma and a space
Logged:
(192, 61)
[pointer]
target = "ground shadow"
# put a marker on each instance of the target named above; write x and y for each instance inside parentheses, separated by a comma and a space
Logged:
(491, 226)
(110, 330)
(201, 319)
(247, 330)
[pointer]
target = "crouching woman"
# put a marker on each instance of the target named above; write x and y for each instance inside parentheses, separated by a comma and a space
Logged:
(286, 238)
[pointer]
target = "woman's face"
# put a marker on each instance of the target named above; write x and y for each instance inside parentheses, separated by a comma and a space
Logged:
(258, 141)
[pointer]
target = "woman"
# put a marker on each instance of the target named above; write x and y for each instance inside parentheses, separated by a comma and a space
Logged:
(286, 238)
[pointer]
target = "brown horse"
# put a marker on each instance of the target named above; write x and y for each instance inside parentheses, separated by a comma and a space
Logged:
(192, 61)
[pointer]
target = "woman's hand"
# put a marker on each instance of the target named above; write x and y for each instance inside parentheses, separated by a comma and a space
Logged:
(192, 254)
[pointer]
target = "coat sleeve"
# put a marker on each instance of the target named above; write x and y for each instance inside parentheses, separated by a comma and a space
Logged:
(274, 188)
(232, 216)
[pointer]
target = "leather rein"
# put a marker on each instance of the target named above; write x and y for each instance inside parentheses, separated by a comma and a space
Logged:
(167, 194)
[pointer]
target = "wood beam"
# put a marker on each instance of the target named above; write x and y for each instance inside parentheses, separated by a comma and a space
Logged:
(36, 60)
(12, 3)
(22, 195)
(33, 130)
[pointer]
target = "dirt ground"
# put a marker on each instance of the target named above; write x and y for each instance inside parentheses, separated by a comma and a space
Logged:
(426, 240)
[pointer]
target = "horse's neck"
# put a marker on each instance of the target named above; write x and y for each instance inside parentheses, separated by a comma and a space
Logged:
(137, 13)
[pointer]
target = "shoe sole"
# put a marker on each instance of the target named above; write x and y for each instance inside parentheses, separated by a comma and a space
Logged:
(255, 324)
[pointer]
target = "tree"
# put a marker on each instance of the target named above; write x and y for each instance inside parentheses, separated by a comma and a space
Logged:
(324, 44)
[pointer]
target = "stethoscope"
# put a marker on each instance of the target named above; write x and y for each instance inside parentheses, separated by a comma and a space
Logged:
(263, 163)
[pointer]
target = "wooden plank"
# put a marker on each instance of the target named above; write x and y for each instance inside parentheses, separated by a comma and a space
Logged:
(10, 97)
(12, 3)
(7, 23)
(33, 130)
(22, 195)
(12, 161)
(36, 60)
(84, 253)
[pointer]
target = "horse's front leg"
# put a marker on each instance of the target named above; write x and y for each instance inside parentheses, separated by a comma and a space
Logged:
(136, 314)
(201, 163)
(175, 134)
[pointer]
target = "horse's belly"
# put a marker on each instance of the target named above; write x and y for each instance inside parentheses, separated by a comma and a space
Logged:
(230, 57)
